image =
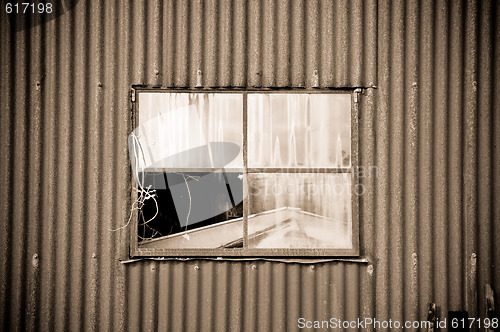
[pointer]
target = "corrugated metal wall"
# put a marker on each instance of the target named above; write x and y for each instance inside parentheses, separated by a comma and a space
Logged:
(429, 120)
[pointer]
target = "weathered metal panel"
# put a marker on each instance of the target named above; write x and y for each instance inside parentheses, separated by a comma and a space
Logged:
(429, 121)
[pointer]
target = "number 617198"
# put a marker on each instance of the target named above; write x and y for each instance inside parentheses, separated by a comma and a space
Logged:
(28, 8)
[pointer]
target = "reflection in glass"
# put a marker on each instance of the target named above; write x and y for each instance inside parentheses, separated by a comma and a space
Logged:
(299, 210)
(189, 130)
(299, 130)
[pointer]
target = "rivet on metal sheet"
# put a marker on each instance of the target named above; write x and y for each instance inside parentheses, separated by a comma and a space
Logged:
(199, 79)
(196, 267)
(94, 255)
(99, 84)
(315, 79)
(38, 84)
(35, 260)
(157, 72)
(312, 267)
(254, 267)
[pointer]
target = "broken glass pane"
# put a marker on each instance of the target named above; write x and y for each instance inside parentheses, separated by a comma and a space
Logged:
(197, 210)
(299, 210)
(299, 130)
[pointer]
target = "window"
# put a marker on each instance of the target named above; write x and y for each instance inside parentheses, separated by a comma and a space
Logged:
(252, 173)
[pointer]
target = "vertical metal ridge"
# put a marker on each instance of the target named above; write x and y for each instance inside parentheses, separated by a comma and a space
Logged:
(168, 41)
(298, 44)
(311, 34)
(370, 43)
(306, 289)
(211, 51)
(35, 171)
(264, 296)
(48, 214)
(269, 40)
(367, 154)
(327, 294)
(183, 66)
(94, 194)
(470, 152)
(148, 297)
(355, 44)
(240, 43)
(341, 43)
(77, 47)
(341, 287)
(252, 297)
(137, 43)
(396, 163)
(425, 166)
(208, 311)
(194, 296)
(19, 136)
(439, 173)
(278, 296)
(411, 157)
(121, 184)
(382, 230)
(7, 56)
(124, 127)
(225, 45)
(197, 43)
(105, 256)
(222, 296)
(64, 148)
(180, 297)
(134, 296)
(454, 154)
(254, 36)
(82, 153)
(327, 58)
(164, 297)
(495, 145)
(283, 49)
(353, 292)
(153, 16)
(485, 237)
(237, 272)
